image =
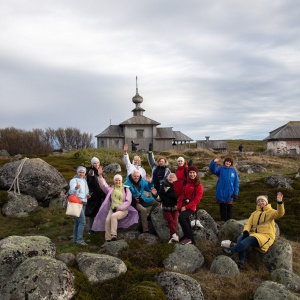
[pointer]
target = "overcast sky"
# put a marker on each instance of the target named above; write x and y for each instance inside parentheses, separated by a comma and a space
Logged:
(227, 69)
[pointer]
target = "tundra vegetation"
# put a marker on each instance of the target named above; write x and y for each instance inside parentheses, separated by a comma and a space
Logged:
(144, 261)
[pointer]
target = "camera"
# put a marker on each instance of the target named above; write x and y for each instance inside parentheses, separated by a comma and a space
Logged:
(114, 209)
(186, 200)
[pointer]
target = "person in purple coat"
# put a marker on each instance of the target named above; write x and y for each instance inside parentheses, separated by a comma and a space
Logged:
(116, 210)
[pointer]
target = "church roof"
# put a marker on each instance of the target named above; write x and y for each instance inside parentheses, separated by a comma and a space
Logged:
(112, 131)
(139, 120)
(291, 130)
(164, 133)
(179, 136)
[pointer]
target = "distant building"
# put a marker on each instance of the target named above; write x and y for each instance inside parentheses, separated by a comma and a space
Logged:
(216, 145)
(142, 131)
(285, 139)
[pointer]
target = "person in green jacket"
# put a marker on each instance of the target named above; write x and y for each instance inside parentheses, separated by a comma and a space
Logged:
(259, 230)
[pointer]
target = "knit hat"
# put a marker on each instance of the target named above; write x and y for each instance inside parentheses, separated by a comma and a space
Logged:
(95, 160)
(118, 176)
(265, 198)
(192, 168)
(81, 168)
(180, 158)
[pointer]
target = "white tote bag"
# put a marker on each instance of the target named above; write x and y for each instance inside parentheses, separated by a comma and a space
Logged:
(74, 209)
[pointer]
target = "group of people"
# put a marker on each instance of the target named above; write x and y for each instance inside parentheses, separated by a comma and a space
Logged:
(123, 204)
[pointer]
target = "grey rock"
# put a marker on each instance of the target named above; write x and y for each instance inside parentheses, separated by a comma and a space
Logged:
(113, 248)
(100, 267)
(36, 178)
(18, 204)
(148, 237)
(112, 168)
(160, 225)
(16, 249)
(269, 290)
(279, 181)
(180, 287)
(185, 258)
(210, 229)
(4, 153)
(224, 265)
(40, 277)
(130, 235)
(279, 256)
(250, 169)
(230, 230)
(65, 257)
(287, 278)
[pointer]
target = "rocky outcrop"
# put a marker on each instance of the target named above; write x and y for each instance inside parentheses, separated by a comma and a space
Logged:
(39, 277)
(179, 286)
(250, 169)
(28, 270)
(35, 178)
(112, 168)
(100, 267)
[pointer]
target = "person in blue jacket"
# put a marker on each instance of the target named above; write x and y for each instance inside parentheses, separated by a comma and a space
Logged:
(142, 197)
(227, 188)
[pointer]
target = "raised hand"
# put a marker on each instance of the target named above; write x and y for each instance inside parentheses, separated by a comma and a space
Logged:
(125, 148)
(279, 197)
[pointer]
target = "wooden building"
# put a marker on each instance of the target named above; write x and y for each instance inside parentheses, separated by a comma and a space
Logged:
(285, 139)
(216, 145)
(142, 131)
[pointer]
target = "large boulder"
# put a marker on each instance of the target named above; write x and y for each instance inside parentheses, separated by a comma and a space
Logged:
(16, 249)
(230, 230)
(269, 290)
(34, 177)
(113, 248)
(100, 267)
(4, 153)
(39, 277)
(185, 258)
(250, 169)
(18, 204)
(112, 168)
(179, 286)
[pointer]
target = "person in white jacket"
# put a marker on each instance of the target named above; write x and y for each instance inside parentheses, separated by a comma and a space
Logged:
(135, 165)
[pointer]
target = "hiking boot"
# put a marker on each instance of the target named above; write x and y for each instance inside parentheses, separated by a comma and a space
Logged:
(113, 238)
(186, 241)
(241, 264)
(227, 252)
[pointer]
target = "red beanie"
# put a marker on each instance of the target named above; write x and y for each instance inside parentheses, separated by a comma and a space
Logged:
(193, 168)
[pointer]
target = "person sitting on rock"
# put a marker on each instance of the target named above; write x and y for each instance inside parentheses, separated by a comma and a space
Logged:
(141, 195)
(259, 230)
(116, 210)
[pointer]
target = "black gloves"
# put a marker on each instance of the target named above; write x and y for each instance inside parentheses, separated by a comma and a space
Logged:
(190, 163)
(245, 233)
(150, 147)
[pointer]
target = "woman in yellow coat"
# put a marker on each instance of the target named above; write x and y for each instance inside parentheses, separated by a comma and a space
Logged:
(259, 230)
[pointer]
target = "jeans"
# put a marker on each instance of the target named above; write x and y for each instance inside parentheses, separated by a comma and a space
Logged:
(185, 223)
(243, 245)
(79, 225)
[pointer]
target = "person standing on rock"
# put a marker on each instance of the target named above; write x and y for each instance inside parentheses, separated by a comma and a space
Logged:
(168, 199)
(79, 187)
(259, 230)
(227, 188)
(97, 195)
(190, 197)
(135, 165)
